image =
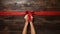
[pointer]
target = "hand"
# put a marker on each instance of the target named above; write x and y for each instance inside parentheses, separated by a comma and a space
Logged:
(26, 18)
(31, 19)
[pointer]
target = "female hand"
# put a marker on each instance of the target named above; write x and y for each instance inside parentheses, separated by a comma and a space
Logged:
(26, 18)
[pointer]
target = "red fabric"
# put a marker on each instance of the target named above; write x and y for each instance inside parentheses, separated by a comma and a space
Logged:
(43, 13)
(40, 13)
(49, 13)
(12, 13)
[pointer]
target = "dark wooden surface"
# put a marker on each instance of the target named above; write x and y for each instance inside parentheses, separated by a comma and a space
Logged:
(43, 24)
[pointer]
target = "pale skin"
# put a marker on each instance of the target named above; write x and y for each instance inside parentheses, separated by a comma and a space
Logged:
(26, 24)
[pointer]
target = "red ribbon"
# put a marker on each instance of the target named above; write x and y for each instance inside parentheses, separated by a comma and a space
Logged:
(40, 13)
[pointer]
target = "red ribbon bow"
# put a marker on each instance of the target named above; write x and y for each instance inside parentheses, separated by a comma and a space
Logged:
(29, 15)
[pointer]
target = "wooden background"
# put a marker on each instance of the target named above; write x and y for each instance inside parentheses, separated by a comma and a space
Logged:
(42, 24)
